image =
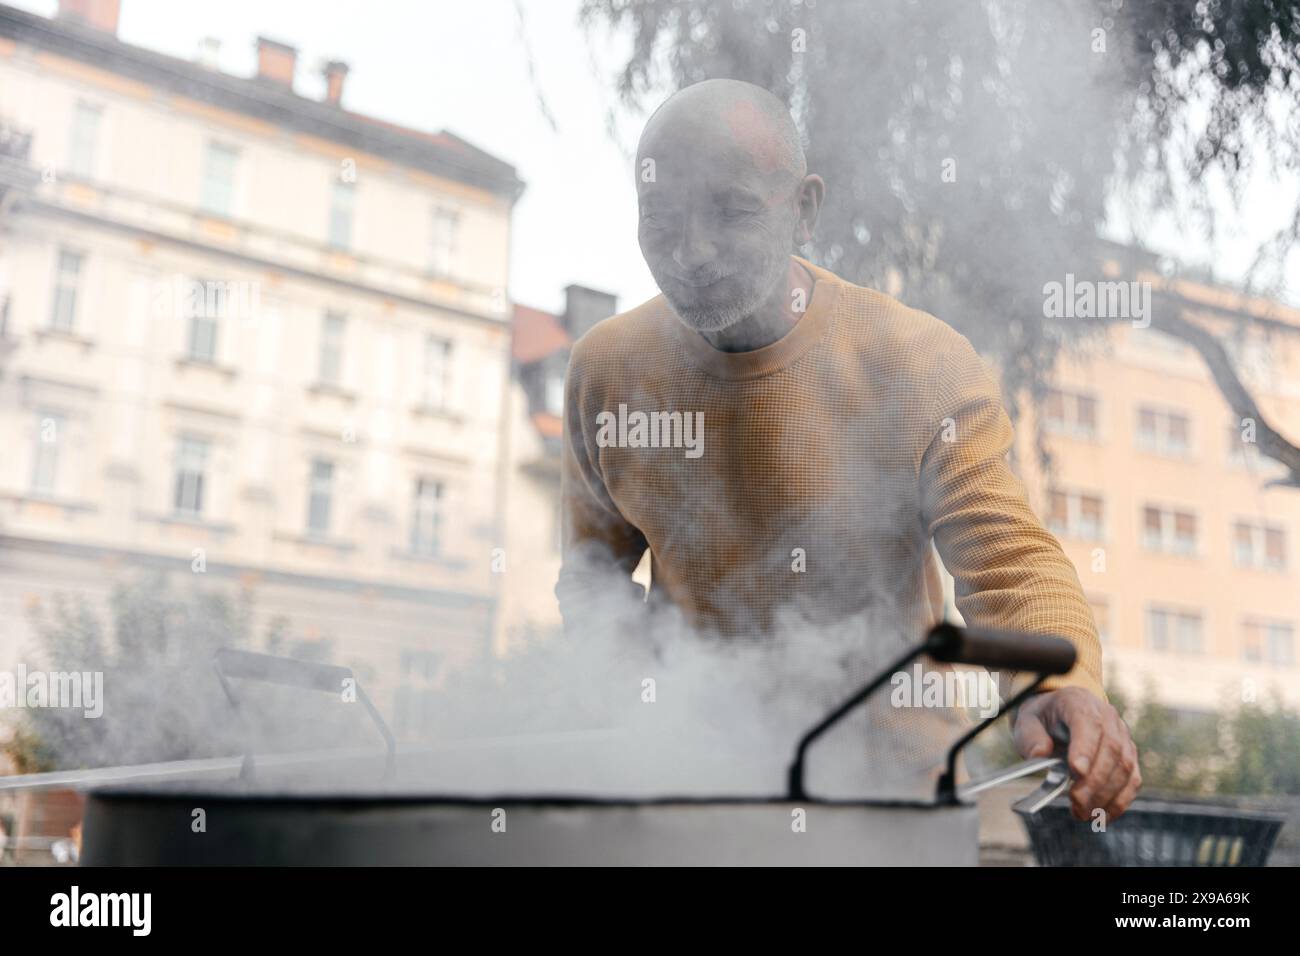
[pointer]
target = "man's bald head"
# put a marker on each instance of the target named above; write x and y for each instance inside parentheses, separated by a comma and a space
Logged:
(745, 116)
(723, 196)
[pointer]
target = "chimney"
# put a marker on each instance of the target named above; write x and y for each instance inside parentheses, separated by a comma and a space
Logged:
(276, 62)
(584, 307)
(336, 71)
(209, 52)
(96, 14)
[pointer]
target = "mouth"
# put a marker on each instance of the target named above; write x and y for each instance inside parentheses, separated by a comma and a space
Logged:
(690, 284)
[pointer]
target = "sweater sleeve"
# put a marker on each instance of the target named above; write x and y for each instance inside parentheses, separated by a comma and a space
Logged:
(1010, 572)
(599, 547)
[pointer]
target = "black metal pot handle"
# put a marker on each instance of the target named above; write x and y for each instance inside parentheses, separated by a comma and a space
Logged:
(951, 644)
(288, 672)
(1004, 650)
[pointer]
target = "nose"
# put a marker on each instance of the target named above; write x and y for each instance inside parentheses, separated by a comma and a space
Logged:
(694, 248)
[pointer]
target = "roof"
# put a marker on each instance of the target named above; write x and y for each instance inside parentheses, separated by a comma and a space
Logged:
(442, 154)
(548, 425)
(537, 335)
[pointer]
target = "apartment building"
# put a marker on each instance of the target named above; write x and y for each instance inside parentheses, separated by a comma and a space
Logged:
(250, 335)
(1189, 556)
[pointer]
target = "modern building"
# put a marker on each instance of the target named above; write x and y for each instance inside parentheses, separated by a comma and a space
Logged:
(1161, 498)
(252, 335)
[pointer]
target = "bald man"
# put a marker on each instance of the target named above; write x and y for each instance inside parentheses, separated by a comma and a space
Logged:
(787, 445)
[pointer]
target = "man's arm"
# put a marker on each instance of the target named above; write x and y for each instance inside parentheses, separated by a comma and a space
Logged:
(599, 548)
(1011, 573)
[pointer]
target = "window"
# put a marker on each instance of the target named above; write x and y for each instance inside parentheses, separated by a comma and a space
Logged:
(1075, 514)
(1179, 632)
(426, 517)
(1070, 413)
(218, 194)
(1256, 545)
(341, 201)
(555, 394)
(67, 277)
(1163, 432)
(437, 364)
(417, 702)
(1168, 530)
(1270, 642)
(330, 366)
(420, 665)
(320, 493)
(50, 430)
(204, 310)
(1101, 615)
(442, 240)
(82, 140)
(191, 475)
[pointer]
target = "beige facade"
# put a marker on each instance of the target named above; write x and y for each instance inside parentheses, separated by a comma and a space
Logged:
(1161, 499)
(253, 336)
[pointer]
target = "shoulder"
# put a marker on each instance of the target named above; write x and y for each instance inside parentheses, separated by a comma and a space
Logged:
(624, 348)
(612, 341)
(896, 339)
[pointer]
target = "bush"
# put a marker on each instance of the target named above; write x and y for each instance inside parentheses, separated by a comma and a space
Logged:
(1249, 748)
(161, 701)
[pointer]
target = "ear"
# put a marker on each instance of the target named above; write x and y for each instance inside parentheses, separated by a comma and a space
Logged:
(812, 190)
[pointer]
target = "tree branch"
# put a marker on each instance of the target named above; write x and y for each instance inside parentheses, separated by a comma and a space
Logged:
(1270, 441)
(1167, 317)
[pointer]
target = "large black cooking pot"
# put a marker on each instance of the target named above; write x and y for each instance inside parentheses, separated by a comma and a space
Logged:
(159, 824)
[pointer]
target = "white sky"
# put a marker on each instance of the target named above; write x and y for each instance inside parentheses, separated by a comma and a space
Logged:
(461, 66)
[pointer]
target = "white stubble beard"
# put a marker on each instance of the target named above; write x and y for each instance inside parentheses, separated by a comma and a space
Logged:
(725, 316)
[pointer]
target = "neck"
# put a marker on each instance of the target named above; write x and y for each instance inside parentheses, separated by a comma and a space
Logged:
(773, 320)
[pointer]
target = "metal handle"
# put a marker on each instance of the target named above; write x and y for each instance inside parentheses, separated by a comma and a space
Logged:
(1007, 774)
(1005, 650)
(951, 644)
(794, 788)
(1057, 782)
(309, 675)
(287, 671)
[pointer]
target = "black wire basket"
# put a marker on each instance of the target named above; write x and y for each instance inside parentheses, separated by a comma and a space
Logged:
(1154, 833)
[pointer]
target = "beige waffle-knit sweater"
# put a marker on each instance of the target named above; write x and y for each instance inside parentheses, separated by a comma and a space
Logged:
(829, 461)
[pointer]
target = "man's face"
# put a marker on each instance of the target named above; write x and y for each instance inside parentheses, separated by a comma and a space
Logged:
(715, 231)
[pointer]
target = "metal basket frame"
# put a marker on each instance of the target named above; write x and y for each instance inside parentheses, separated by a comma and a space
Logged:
(1154, 833)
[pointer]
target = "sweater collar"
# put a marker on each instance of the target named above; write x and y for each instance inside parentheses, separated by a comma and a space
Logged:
(782, 353)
